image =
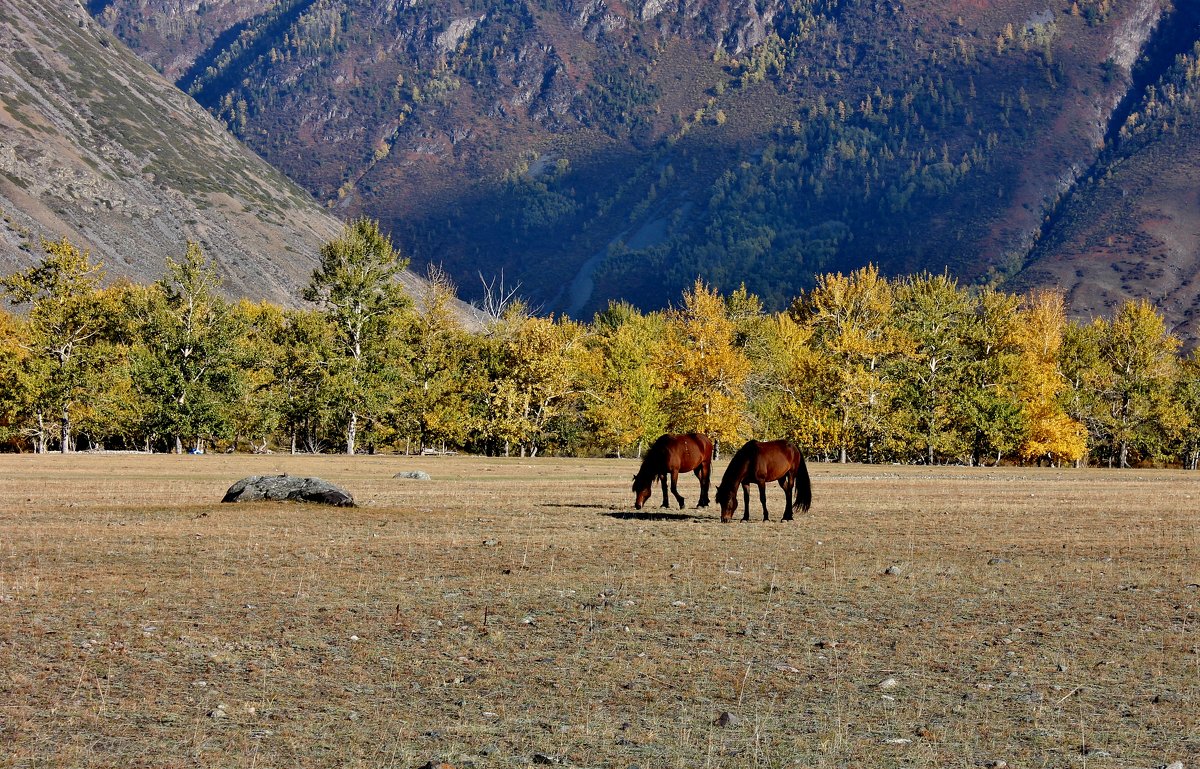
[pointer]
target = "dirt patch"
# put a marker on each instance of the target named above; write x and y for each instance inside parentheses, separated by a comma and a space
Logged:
(505, 611)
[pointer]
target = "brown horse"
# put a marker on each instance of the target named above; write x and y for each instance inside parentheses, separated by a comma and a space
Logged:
(761, 462)
(672, 455)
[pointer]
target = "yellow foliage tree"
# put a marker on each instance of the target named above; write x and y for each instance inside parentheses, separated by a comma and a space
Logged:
(537, 379)
(620, 385)
(703, 370)
(794, 376)
(1051, 433)
(1140, 371)
(65, 326)
(851, 321)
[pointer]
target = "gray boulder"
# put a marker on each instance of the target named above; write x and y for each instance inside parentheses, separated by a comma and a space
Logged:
(282, 488)
(415, 475)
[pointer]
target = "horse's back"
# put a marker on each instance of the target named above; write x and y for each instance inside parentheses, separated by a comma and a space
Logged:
(703, 443)
(775, 459)
(679, 452)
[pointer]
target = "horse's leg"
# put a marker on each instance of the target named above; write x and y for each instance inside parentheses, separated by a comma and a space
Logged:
(787, 482)
(746, 499)
(762, 496)
(704, 473)
(675, 487)
(663, 479)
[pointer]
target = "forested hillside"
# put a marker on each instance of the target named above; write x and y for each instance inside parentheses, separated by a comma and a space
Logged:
(602, 149)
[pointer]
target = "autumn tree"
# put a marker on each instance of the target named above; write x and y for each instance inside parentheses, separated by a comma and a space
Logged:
(116, 412)
(1082, 371)
(703, 370)
(64, 329)
(301, 379)
(189, 372)
(21, 416)
(1187, 396)
(851, 318)
(356, 287)
(932, 311)
(989, 409)
(1039, 334)
(534, 382)
(793, 398)
(1138, 375)
(435, 403)
(257, 404)
(622, 390)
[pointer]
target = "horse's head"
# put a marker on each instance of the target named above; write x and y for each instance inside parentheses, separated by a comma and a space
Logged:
(727, 499)
(641, 493)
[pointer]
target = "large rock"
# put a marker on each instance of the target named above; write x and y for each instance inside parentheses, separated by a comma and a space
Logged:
(282, 488)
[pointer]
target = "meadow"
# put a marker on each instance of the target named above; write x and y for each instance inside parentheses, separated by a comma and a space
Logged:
(514, 612)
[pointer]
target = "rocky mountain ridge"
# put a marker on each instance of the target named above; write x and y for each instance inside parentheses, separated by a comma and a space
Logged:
(95, 146)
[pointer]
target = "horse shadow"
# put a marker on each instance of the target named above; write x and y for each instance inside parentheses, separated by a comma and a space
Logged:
(647, 515)
(632, 515)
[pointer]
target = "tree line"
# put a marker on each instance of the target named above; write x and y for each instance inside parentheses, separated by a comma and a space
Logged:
(860, 367)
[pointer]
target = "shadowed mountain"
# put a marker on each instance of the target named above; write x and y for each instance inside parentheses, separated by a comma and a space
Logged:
(595, 149)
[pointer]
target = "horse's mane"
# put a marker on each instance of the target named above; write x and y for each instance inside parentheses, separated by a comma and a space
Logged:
(736, 470)
(654, 459)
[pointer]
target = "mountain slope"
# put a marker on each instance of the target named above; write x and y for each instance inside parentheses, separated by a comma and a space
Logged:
(599, 149)
(1131, 227)
(96, 146)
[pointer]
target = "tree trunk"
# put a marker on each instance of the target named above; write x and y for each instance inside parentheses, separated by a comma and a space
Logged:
(844, 457)
(351, 432)
(178, 445)
(39, 440)
(65, 446)
(1124, 455)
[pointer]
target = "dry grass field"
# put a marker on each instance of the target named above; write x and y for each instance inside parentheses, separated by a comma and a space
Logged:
(516, 612)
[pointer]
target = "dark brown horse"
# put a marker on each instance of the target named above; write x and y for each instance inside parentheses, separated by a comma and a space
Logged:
(762, 462)
(672, 455)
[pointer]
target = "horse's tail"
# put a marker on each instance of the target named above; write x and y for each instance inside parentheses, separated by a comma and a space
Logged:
(803, 485)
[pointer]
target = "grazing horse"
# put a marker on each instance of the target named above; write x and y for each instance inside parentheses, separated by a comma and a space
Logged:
(672, 455)
(761, 462)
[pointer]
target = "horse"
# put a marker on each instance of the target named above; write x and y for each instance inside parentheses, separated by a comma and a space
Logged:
(672, 455)
(760, 462)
